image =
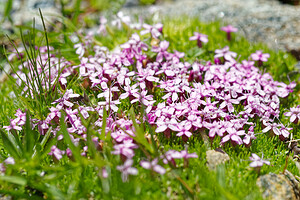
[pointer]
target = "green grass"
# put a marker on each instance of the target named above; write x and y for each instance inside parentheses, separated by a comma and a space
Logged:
(40, 177)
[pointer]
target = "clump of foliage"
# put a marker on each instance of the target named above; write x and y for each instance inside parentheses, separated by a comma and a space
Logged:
(135, 104)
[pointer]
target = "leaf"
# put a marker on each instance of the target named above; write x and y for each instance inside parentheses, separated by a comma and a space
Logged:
(10, 146)
(63, 129)
(8, 8)
(140, 134)
(14, 179)
(46, 137)
(102, 136)
(30, 136)
(54, 191)
(19, 194)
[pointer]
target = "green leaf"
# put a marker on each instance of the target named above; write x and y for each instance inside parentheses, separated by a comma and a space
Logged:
(8, 8)
(140, 133)
(46, 138)
(30, 137)
(102, 136)
(14, 179)
(10, 146)
(63, 129)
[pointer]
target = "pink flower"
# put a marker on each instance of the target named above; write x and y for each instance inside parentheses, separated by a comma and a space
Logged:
(56, 152)
(17, 123)
(227, 102)
(285, 131)
(125, 149)
(294, 114)
(127, 169)
(260, 57)
(84, 111)
(271, 126)
(53, 115)
(228, 55)
(228, 29)
(85, 67)
(153, 166)
(186, 155)
(182, 128)
(234, 136)
(214, 128)
(249, 136)
(7, 161)
(121, 18)
(200, 38)
(13, 126)
(104, 172)
(155, 30)
(80, 50)
(257, 161)
(162, 51)
(102, 28)
(64, 101)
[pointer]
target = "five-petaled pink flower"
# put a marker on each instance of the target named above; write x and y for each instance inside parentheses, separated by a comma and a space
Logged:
(200, 38)
(229, 29)
(127, 169)
(257, 161)
(153, 166)
(228, 55)
(260, 57)
(294, 114)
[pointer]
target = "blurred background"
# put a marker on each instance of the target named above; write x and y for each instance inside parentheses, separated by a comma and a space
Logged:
(274, 22)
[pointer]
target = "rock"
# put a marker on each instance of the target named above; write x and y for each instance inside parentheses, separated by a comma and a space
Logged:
(279, 186)
(266, 21)
(294, 183)
(5, 197)
(23, 12)
(214, 158)
(131, 3)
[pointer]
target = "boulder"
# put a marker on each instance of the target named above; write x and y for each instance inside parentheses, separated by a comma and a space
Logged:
(279, 186)
(215, 158)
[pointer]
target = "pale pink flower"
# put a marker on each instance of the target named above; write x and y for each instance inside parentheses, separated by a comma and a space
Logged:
(229, 29)
(256, 161)
(127, 169)
(153, 166)
(200, 38)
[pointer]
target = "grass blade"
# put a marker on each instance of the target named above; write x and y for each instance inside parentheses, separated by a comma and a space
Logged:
(30, 136)
(10, 146)
(14, 179)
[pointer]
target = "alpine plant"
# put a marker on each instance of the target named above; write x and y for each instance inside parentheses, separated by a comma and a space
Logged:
(224, 98)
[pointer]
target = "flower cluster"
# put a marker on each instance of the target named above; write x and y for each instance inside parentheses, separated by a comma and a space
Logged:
(221, 98)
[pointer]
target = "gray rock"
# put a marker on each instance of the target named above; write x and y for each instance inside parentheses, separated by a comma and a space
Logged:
(215, 158)
(131, 3)
(279, 186)
(2, 197)
(266, 21)
(23, 11)
(293, 182)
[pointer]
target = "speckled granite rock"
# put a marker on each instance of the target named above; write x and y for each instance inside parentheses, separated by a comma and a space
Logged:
(293, 182)
(279, 186)
(215, 158)
(268, 21)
